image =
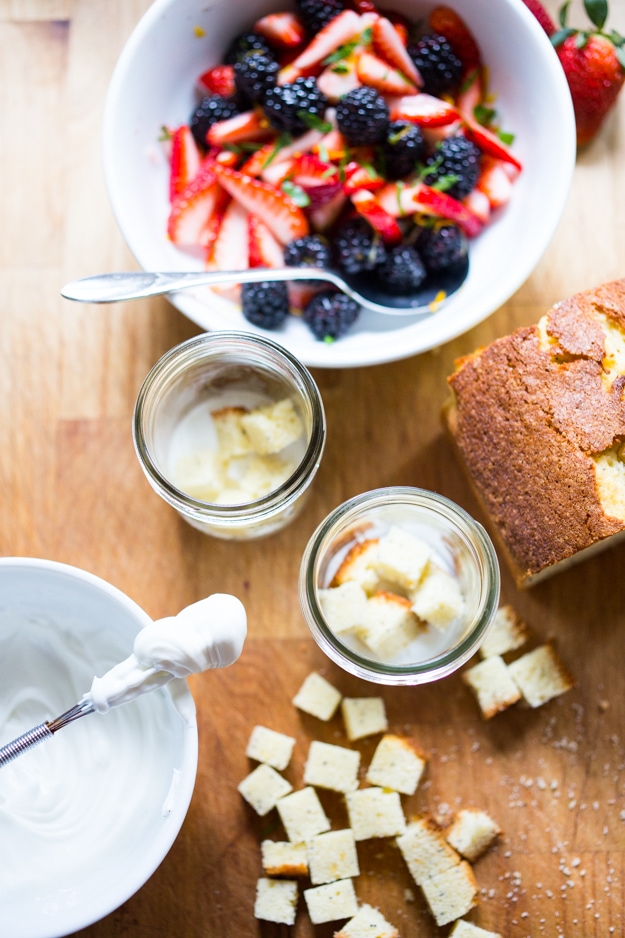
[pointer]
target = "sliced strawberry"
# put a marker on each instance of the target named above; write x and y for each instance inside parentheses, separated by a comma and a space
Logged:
(184, 160)
(494, 182)
(376, 73)
(423, 109)
(250, 125)
(489, 142)
(275, 173)
(230, 249)
(286, 220)
(477, 202)
(218, 80)
(358, 176)
(366, 205)
(191, 210)
(398, 200)
(339, 79)
(323, 216)
(332, 146)
(301, 293)
(344, 27)
(471, 93)
(283, 30)
(209, 232)
(319, 180)
(389, 46)
(266, 155)
(263, 249)
(446, 22)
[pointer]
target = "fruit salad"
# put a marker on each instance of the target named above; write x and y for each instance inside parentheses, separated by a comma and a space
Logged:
(339, 136)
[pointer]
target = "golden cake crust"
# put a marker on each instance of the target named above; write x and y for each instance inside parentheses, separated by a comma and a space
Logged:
(528, 413)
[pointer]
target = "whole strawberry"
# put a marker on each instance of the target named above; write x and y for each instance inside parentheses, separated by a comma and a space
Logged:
(594, 64)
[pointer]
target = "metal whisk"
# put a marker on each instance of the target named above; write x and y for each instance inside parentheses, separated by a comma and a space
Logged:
(43, 731)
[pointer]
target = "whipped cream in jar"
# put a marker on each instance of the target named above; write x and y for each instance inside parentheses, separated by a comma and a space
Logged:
(229, 429)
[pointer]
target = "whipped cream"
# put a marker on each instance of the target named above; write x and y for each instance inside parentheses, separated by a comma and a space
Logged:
(207, 634)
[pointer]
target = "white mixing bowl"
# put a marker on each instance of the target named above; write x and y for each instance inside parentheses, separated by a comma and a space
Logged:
(87, 816)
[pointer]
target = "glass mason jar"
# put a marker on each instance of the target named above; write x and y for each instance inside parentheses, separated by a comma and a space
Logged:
(225, 370)
(458, 544)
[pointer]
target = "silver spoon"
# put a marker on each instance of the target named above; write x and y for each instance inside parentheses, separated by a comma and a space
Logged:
(364, 288)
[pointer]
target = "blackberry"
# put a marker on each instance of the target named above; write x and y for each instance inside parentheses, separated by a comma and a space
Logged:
(357, 247)
(212, 108)
(403, 148)
(455, 157)
(265, 304)
(439, 66)
(362, 116)
(318, 13)
(294, 106)
(330, 314)
(403, 270)
(311, 251)
(245, 43)
(441, 248)
(255, 74)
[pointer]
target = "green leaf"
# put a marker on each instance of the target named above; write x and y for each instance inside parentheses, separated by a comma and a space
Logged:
(484, 115)
(328, 339)
(560, 35)
(283, 141)
(620, 54)
(564, 12)
(445, 182)
(506, 137)
(597, 11)
(340, 68)
(165, 134)
(295, 193)
(580, 40)
(341, 53)
(314, 122)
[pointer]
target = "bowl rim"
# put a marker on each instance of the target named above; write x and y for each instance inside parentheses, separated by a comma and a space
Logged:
(71, 919)
(382, 346)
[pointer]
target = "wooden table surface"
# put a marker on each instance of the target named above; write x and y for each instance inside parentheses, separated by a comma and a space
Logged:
(73, 492)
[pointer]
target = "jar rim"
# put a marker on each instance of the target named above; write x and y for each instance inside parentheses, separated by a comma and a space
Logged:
(440, 665)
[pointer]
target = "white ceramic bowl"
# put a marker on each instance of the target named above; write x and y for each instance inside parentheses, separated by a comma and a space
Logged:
(153, 84)
(86, 817)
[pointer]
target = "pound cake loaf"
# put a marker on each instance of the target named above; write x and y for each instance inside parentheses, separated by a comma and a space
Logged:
(537, 419)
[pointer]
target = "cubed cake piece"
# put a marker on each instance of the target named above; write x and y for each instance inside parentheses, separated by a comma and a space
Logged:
(199, 474)
(363, 716)
(402, 558)
(357, 566)
(463, 929)
(282, 858)
(538, 420)
(540, 675)
(344, 607)
(367, 923)
(317, 697)
(507, 633)
(374, 812)
(331, 902)
(493, 686)
(334, 767)
(332, 856)
(256, 476)
(425, 850)
(302, 815)
(472, 832)
(438, 599)
(232, 440)
(390, 625)
(276, 900)
(266, 745)
(451, 894)
(263, 788)
(396, 764)
(272, 428)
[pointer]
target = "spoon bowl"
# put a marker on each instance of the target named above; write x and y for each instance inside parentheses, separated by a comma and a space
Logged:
(366, 289)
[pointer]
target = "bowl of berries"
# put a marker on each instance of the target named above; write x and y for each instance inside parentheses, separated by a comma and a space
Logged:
(424, 151)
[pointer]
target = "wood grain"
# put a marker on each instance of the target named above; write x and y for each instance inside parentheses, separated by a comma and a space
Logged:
(72, 491)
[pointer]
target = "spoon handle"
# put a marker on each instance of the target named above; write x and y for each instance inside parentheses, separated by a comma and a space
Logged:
(134, 285)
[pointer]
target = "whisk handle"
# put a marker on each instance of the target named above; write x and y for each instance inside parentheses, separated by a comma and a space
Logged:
(26, 741)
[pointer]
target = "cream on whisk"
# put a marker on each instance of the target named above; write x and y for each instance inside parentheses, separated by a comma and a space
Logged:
(208, 634)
